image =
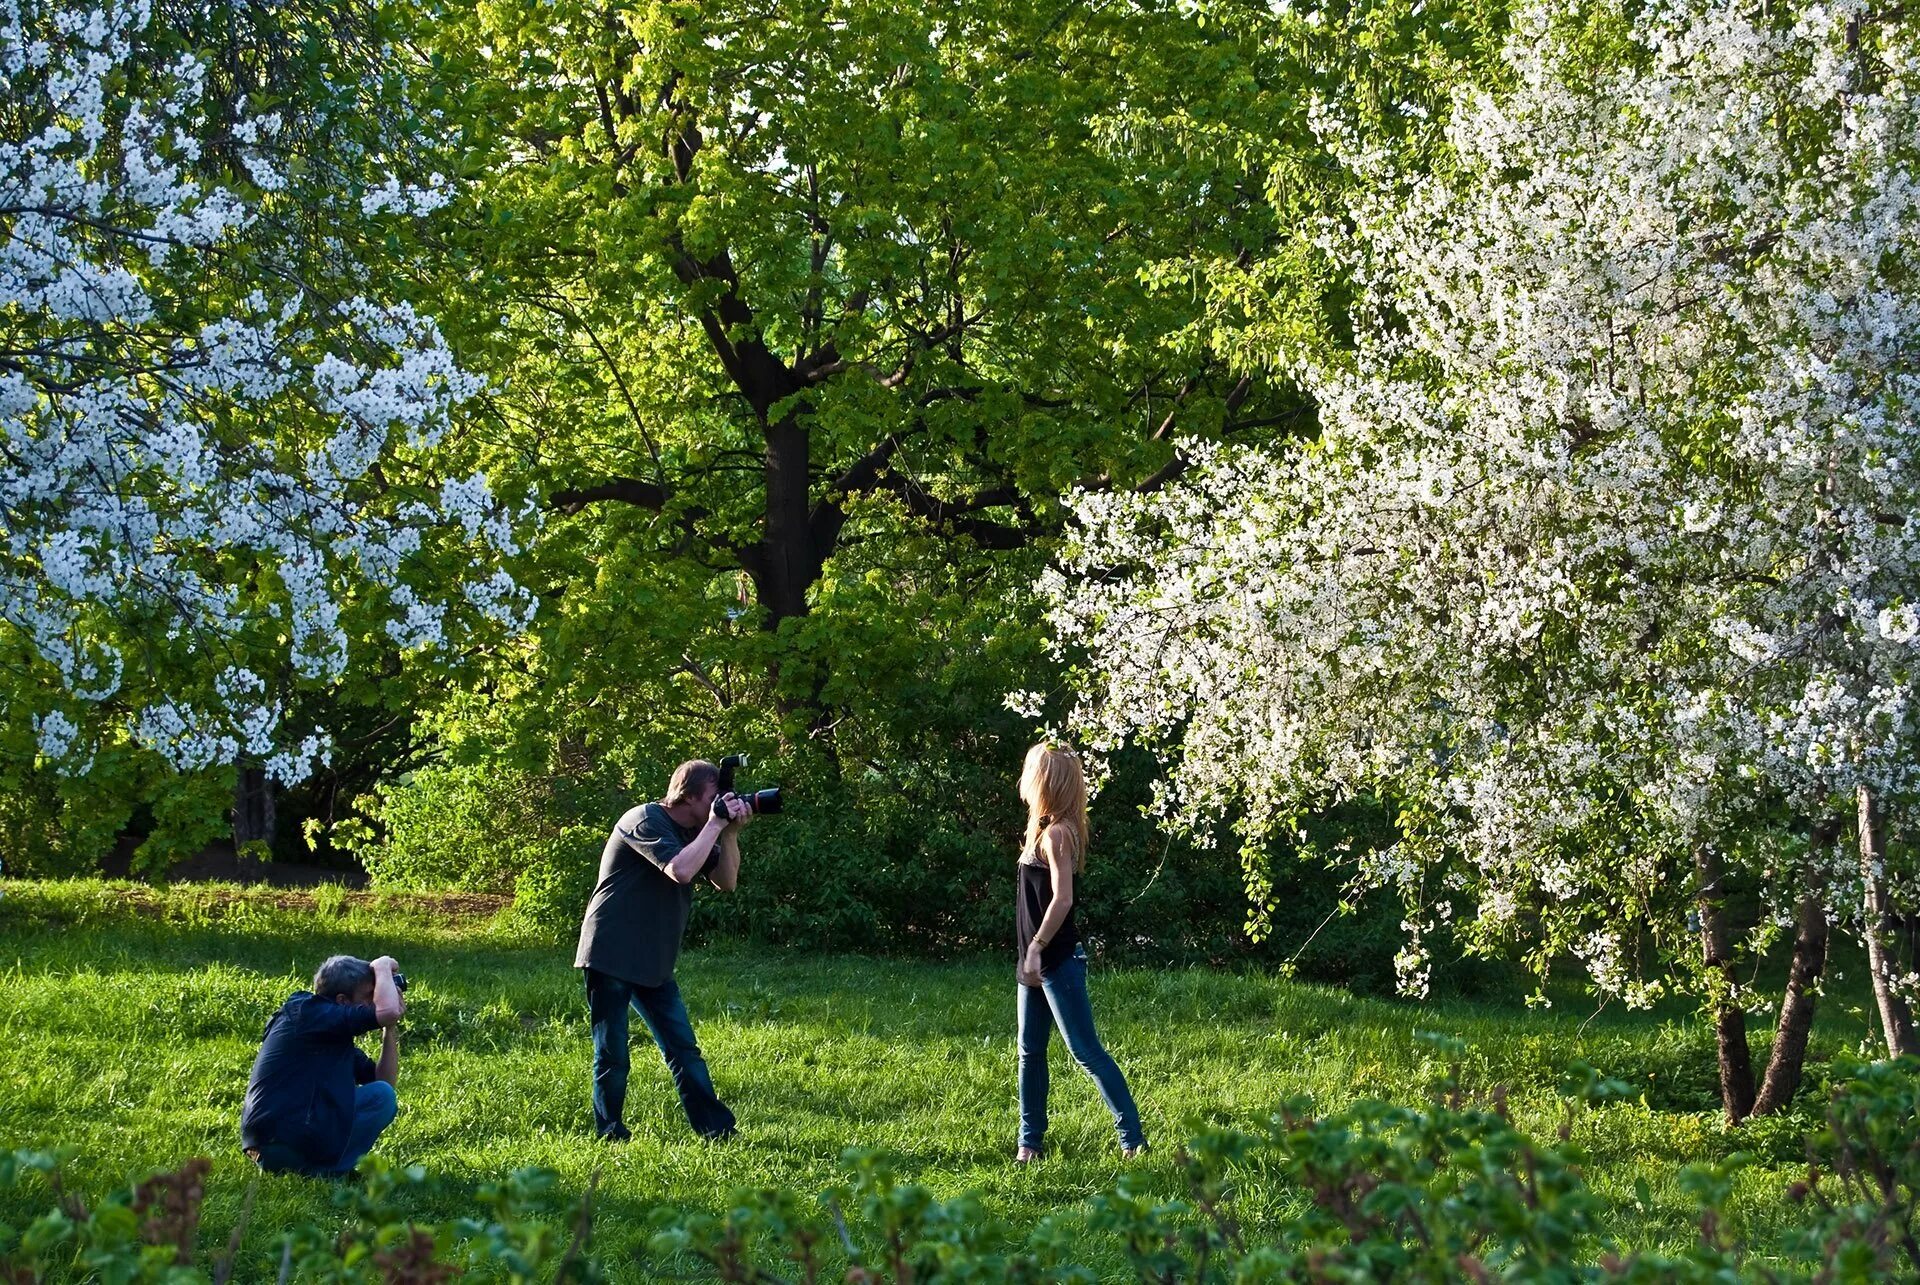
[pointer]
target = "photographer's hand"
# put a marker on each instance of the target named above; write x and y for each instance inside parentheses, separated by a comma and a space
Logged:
(388, 1004)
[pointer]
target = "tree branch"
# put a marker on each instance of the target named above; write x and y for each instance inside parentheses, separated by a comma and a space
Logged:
(623, 490)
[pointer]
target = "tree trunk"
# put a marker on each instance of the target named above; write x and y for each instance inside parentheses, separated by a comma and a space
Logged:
(1896, 1018)
(1729, 1019)
(253, 808)
(1787, 1058)
(788, 563)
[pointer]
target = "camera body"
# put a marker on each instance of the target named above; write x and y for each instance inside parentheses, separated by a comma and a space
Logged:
(399, 980)
(762, 802)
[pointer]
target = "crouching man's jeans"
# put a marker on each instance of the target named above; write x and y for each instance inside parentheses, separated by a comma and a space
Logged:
(374, 1108)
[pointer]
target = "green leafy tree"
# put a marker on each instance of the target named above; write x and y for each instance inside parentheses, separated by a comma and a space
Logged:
(804, 321)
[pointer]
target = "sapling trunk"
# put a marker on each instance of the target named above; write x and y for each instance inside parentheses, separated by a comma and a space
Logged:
(1787, 1059)
(1896, 1018)
(253, 808)
(1729, 1019)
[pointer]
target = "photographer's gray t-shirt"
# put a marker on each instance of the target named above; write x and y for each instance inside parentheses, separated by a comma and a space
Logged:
(638, 912)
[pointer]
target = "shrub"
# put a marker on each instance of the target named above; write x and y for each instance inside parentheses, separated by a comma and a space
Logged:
(522, 1230)
(1451, 1191)
(555, 879)
(917, 860)
(488, 828)
(1863, 1176)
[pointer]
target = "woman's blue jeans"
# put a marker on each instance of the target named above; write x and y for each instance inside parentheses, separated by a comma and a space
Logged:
(665, 1014)
(1061, 1000)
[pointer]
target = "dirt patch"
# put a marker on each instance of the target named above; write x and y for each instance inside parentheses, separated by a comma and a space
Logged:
(211, 901)
(444, 905)
(219, 863)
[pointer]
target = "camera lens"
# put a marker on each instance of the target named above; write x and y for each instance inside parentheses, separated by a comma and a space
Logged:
(765, 801)
(399, 980)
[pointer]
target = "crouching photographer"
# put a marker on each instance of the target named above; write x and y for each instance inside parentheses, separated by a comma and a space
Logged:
(315, 1102)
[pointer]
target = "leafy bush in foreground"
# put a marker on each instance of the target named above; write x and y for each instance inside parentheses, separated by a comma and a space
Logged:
(1447, 1192)
(149, 1234)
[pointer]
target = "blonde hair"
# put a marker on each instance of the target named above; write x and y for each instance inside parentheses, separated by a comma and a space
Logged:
(1055, 790)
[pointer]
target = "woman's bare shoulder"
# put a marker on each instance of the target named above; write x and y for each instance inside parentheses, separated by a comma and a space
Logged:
(1060, 840)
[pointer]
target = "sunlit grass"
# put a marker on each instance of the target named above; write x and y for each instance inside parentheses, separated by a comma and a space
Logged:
(127, 1031)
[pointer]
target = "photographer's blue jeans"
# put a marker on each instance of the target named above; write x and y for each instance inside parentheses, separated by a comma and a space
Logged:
(661, 1008)
(374, 1107)
(1061, 1000)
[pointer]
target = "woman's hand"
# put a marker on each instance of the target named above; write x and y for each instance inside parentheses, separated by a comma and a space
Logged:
(1030, 966)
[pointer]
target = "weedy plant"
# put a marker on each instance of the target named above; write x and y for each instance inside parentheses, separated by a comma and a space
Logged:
(522, 1230)
(1444, 1192)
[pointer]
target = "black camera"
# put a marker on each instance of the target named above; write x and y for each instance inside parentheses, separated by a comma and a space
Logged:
(762, 802)
(399, 980)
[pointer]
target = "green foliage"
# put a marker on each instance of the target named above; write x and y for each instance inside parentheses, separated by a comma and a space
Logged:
(1395, 1195)
(476, 828)
(54, 824)
(150, 1233)
(1446, 1192)
(132, 1015)
(800, 329)
(46, 825)
(1861, 1195)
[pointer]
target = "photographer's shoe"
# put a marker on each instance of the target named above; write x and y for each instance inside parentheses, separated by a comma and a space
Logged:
(618, 1133)
(1025, 1156)
(1140, 1152)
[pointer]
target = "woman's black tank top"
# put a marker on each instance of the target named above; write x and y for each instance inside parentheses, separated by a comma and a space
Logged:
(1036, 894)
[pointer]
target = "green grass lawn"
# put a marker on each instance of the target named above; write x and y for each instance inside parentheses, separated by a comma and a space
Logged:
(128, 1024)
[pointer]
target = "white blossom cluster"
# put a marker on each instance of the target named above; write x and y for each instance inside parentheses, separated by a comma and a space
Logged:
(1611, 533)
(194, 503)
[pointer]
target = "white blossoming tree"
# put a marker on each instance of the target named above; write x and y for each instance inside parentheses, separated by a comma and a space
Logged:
(1602, 565)
(221, 434)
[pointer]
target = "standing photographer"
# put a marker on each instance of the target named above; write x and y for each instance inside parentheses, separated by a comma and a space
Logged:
(315, 1103)
(631, 938)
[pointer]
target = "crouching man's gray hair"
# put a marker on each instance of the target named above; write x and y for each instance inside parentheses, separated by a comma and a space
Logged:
(341, 975)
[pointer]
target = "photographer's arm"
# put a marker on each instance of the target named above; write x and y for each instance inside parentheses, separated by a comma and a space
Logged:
(389, 1005)
(726, 874)
(388, 1068)
(686, 864)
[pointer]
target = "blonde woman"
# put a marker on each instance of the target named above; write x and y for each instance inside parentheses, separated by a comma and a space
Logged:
(1053, 967)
